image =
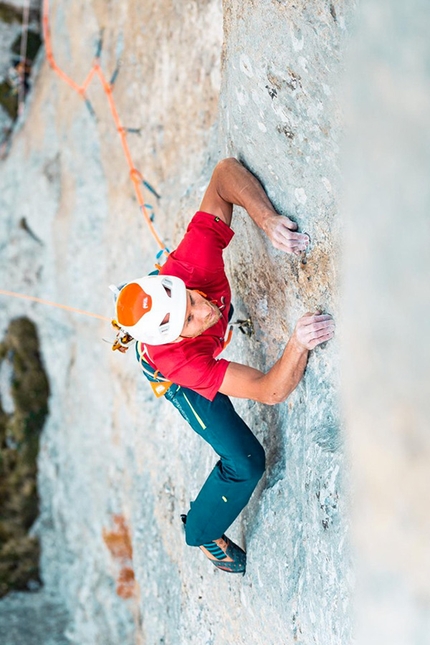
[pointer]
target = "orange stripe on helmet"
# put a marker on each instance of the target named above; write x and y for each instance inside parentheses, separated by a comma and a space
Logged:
(133, 302)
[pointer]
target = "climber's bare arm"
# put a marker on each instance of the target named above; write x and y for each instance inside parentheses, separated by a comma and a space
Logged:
(277, 384)
(232, 183)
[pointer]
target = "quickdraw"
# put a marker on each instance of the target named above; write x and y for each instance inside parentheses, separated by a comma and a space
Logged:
(245, 326)
(123, 340)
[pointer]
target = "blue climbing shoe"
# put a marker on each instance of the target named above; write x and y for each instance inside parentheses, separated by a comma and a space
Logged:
(225, 555)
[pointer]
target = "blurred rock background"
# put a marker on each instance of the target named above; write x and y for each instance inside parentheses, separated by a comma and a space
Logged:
(20, 40)
(386, 289)
(264, 82)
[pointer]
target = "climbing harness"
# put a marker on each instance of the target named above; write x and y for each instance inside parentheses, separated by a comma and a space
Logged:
(158, 383)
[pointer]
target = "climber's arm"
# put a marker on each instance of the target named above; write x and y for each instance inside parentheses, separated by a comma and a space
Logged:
(277, 384)
(232, 183)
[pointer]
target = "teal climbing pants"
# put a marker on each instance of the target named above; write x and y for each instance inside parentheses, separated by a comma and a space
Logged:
(235, 475)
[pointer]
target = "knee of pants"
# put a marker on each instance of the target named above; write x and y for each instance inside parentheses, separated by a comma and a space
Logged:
(250, 467)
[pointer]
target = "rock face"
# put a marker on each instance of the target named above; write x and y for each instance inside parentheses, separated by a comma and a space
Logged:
(33, 619)
(19, 33)
(116, 466)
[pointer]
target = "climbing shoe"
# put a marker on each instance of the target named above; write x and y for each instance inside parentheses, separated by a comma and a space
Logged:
(225, 555)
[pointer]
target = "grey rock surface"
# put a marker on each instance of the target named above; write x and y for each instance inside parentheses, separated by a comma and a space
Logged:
(33, 619)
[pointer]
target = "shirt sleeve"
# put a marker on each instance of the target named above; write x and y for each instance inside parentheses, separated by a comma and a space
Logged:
(203, 243)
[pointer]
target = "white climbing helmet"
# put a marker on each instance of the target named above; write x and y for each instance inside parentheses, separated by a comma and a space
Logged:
(143, 304)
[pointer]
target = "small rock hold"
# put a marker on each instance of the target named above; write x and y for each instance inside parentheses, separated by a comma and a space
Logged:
(273, 92)
(283, 129)
(275, 81)
(333, 12)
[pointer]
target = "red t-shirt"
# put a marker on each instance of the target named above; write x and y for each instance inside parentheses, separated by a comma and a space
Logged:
(199, 263)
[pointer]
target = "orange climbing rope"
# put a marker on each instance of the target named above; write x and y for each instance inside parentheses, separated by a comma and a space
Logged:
(13, 294)
(135, 175)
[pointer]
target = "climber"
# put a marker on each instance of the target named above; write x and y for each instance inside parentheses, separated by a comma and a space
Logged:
(179, 319)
